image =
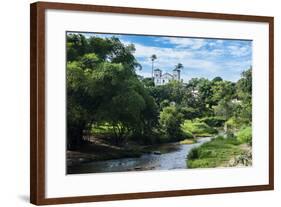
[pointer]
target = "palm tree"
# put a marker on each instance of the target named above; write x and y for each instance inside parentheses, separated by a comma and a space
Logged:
(153, 57)
(179, 66)
(177, 70)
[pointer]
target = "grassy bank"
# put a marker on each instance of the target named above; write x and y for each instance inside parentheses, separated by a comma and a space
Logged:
(215, 153)
(198, 129)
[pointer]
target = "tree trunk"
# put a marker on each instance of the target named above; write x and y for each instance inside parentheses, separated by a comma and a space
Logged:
(74, 136)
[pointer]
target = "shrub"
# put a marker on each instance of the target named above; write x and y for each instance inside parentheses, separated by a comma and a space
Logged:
(219, 137)
(164, 104)
(245, 135)
(207, 153)
(193, 154)
(233, 123)
(213, 121)
(188, 134)
(189, 112)
(230, 135)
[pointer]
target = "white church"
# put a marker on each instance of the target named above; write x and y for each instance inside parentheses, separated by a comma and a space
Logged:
(162, 79)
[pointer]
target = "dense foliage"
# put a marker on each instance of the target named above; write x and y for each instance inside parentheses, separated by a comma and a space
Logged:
(170, 120)
(245, 135)
(102, 87)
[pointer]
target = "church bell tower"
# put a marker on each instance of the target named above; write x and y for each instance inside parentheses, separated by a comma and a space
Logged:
(177, 74)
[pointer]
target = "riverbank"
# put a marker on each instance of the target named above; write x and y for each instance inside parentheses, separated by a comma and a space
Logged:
(99, 147)
(100, 150)
(220, 152)
(166, 156)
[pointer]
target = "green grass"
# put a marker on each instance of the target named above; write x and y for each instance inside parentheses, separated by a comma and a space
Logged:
(215, 153)
(103, 129)
(198, 129)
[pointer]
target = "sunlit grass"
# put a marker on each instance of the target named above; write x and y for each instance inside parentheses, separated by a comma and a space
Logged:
(215, 153)
(198, 129)
(188, 141)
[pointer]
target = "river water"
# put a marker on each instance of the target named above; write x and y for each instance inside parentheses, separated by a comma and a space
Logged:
(163, 157)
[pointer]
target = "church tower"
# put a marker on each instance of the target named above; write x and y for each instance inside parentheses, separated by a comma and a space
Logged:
(176, 74)
(157, 76)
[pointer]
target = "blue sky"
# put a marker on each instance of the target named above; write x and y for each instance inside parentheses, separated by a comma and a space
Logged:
(201, 57)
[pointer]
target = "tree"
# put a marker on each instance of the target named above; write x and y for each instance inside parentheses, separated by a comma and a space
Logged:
(160, 93)
(179, 66)
(244, 94)
(217, 79)
(190, 113)
(197, 96)
(153, 58)
(205, 92)
(223, 90)
(164, 103)
(171, 120)
(76, 45)
(148, 82)
(102, 87)
(80, 103)
(225, 108)
(173, 92)
(125, 103)
(244, 86)
(90, 61)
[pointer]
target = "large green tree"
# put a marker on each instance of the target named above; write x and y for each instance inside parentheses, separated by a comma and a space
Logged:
(102, 86)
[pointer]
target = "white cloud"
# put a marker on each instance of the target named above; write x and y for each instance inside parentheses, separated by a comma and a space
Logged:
(239, 51)
(185, 42)
(202, 62)
(167, 58)
(147, 51)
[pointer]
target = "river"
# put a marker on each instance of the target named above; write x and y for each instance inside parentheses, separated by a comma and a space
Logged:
(163, 157)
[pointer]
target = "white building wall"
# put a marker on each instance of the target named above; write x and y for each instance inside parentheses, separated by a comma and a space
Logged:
(157, 77)
(160, 79)
(166, 78)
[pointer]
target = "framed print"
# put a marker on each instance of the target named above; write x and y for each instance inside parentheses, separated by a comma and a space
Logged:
(130, 103)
